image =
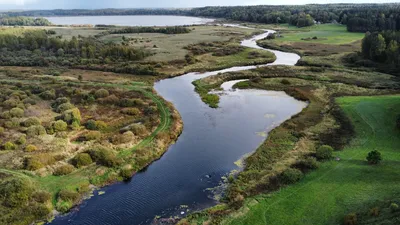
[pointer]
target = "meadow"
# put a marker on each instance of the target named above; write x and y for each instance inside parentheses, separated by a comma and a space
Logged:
(342, 186)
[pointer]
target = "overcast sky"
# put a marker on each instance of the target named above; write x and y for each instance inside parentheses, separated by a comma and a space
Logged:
(95, 4)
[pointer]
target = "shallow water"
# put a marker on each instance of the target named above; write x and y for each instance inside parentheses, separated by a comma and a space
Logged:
(212, 140)
(129, 20)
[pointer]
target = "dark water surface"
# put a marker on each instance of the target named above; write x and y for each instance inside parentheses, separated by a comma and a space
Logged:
(212, 140)
(152, 20)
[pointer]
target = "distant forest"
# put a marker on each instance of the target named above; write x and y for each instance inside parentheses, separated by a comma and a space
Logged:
(357, 17)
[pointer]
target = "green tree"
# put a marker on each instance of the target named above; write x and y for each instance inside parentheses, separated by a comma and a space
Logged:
(392, 51)
(378, 47)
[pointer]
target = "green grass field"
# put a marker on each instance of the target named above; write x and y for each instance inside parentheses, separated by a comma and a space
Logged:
(326, 34)
(337, 188)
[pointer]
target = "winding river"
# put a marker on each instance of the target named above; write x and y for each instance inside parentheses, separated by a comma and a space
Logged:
(212, 140)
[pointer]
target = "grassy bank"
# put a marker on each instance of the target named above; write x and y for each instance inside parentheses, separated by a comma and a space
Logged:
(344, 186)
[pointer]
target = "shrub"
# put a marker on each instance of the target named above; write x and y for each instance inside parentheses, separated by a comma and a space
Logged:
(30, 101)
(92, 135)
(2, 130)
(63, 206)
(35, 131)
(64, 107)
(13, 123)
(374, 212)
(6, 115)
(48, 95)
(394, 207)
(30, 148)
(138, 129)
(32, 121)
(33, 164)
(104, 156)
(91, 125)
(374, 157)
(350, 219)
(17, 112)
(21, 140)
(39, 210)
(285, 82)
(123, 138)
(131, 111)
(15, 192)
(126, 173)
(306, 164)
(82, 159)
(101, 93)
(60, 125)
(75, 125)
(9, 146)
(41, 196)
(63, 170)
(324, 152)
(60, 101)
(67, 195)
(101, 125)
(72, 115)
(290, 176)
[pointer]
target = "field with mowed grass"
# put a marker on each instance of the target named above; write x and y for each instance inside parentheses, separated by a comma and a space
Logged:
(346, 185)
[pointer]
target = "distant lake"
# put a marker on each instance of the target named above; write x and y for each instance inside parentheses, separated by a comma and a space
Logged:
(129, 20)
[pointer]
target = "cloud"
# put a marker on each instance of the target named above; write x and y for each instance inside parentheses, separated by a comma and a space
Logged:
(16, 2)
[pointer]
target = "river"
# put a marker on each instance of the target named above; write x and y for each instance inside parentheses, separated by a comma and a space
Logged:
(212, 140)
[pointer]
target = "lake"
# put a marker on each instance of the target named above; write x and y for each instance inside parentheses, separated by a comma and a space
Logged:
(129, 20)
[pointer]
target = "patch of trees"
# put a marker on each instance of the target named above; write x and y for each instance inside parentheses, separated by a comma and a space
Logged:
(24, 21)
(382, 47)
(39, 48)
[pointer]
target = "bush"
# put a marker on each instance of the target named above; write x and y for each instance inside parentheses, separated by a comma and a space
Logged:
(285, 82)
(39, 210)
(33, 164)
(30, 101)
(60, 101)
(138, 129)
(104, 156)
(13, 123)
(394, 207)
(41, 196)
(30, 148)
(123, 138)
(64, 107)
(6, 115)
(101, 125)
(350, 219)
(82, 159)
(92, 135)
(17, 112)
(48, 95)
(374, 212)
(36, 131)
(91, 125)
(306, 164)
(15, 192)
(126, 173)
(67, 195)
(101, 93)
(32, 121)
(9, 146)
(63, 206)
(2, 130)
(21, 140)
(131, 111)
(60, 125)
(374, 157)
(290, 176)
(63, 170)
(324, 152)
(72, 115)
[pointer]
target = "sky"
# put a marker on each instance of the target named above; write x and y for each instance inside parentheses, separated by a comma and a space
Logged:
(96, 4)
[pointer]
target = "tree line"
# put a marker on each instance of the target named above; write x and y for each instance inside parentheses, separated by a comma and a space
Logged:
(23, 21)
(382, 47)
(136, 30)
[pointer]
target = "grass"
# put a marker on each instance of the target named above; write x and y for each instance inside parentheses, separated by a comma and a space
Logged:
(333, 34)
(171, 47)
(339, 187)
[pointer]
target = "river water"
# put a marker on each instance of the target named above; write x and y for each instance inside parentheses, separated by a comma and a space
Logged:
(212, 140)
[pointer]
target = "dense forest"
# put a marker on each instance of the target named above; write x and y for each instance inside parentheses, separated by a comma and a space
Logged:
(43, 48)
(23, 21)
(357, 17)
(382, 47)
